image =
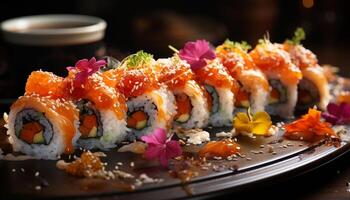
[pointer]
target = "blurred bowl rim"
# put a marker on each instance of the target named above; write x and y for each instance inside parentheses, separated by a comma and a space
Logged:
(16, 30)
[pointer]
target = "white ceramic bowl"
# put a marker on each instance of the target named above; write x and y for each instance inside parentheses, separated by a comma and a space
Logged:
(53, 30)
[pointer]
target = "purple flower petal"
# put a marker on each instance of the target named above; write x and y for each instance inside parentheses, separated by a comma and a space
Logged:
(160, 147)
(196, 53)
(158, 137)
(337, 114)
(330, 118)
(153, 151)
(173, 149)
(333, 108)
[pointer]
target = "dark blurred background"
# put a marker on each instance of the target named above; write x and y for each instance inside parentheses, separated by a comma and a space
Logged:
(153, 25)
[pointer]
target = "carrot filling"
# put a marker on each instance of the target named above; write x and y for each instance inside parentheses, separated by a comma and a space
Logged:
(242, 99)
(32, 133)
(90, 123)
(137, 120)
(184, 108)
(88, 126)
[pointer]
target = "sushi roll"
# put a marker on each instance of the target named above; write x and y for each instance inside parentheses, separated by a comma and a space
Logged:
(282, 74)
(254, 87)
(212, 75)
(313, 89)
(43, 127)
(191, 103)
(150, 105)
(102, 109)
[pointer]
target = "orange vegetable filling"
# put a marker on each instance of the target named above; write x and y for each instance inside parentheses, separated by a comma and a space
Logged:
(242, 99)
(183, 104)
(88, 122)
(274, 95)
(137, 120)
(29, 130)
(222, 148)
(309, 127)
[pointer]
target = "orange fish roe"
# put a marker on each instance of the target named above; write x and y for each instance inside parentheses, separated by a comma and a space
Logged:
(134, 82)
(222, 148)
(215, 74)
(64, 112)
(85, 166)
(271, 58)
(301, 56)
(44, 84)
(173, 72)
(309, 128)
(98, 92)
(241, 66)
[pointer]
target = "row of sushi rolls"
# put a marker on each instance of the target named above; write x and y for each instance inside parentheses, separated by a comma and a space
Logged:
(100, 104)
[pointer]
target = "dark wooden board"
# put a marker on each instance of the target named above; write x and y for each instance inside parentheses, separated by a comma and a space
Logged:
(291, 158)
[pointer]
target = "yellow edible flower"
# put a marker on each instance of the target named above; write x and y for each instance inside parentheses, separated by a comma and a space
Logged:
(257, 124)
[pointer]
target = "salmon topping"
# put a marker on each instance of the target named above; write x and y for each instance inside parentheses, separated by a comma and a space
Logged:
(223, 148)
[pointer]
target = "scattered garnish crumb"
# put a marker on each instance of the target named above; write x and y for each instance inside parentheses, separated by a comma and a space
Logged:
(132, 164)
(135, 147)
(273, 130)
(38, 187)
(88, 165)
(36, 174)
(145, 179)
(270, 148)
(224, 134)
(194, 136)
(5, 117)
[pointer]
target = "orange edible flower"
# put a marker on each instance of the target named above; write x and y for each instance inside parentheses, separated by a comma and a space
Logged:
(309, 128)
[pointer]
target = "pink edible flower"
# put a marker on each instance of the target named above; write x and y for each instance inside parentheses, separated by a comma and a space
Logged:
(196, 53)
(160, 147)
(86, 68)
(337, 114)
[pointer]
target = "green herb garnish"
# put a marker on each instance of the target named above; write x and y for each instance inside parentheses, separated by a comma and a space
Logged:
(243, 44)
(138, 59)
(299, 35)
